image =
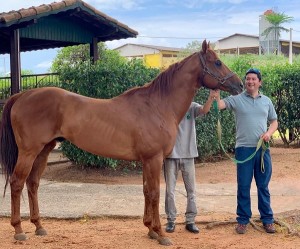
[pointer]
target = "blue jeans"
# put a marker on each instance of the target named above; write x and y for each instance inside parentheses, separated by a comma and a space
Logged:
(245, 173)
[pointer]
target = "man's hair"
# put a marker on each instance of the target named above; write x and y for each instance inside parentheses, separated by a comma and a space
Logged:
(256, 71)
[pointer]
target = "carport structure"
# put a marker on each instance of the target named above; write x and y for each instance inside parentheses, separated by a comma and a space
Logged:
(55, 25)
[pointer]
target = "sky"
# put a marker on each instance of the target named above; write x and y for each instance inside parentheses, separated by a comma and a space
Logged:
(171, 23)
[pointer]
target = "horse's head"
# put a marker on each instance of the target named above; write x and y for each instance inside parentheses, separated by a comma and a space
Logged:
(216, 75)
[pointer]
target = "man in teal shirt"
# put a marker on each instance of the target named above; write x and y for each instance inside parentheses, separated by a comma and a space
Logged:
(253, 111)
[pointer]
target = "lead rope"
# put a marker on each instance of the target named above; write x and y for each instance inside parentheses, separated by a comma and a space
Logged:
(261, 143)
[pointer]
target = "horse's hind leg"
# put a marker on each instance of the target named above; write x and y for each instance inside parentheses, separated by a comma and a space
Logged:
(33, 182)
(17, 180)
(151, 186)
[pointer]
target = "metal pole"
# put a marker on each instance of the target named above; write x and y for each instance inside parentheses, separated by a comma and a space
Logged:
(15, 62)
(291, 48)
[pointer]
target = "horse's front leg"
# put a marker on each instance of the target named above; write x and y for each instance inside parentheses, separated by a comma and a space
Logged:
(151, 187)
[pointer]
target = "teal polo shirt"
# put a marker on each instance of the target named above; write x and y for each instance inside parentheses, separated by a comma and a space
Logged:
(251, 117)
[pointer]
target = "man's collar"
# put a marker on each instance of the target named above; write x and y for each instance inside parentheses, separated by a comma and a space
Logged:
(248, 95)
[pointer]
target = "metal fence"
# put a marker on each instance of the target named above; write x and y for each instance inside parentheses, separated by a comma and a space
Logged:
(28, 82)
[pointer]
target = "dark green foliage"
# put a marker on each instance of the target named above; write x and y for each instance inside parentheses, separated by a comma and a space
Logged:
(282, 84)
(86, 159)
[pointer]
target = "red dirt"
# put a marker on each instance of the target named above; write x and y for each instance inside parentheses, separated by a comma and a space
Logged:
(130, 233)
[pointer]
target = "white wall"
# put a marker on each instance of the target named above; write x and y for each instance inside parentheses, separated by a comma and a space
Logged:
(131, 50)
(237, 41)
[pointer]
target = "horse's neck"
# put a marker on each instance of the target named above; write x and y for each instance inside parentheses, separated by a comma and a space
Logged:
(184, 86)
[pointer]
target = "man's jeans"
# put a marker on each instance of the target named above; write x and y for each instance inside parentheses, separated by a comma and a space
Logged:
(245, 173)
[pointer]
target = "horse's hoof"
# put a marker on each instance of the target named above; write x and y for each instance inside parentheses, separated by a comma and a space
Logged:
(164, 241)
(20, 236)
(153, 235)
(41, 232)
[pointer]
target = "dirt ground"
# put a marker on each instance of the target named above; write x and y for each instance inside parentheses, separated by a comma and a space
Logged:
(107, 232)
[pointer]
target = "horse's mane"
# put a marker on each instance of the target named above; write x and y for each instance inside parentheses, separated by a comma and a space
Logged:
(161, 83)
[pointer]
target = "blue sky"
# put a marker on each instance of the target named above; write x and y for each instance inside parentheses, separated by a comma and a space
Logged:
(173, 23)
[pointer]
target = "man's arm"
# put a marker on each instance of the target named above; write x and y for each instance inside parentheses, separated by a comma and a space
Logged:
(213, 94)
(221, 102)
(272, 128)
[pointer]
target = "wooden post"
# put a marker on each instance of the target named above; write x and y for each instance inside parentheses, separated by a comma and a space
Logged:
(94, 54)
(15, 63)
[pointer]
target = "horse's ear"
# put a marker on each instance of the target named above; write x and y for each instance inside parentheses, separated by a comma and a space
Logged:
(204, 46)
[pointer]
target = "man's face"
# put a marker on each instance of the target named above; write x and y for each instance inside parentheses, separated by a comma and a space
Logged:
(252, 83)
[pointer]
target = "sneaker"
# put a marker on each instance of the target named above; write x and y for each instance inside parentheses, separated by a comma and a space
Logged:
(191, 227)
(270, 228)
(170, 228)
(241, 228)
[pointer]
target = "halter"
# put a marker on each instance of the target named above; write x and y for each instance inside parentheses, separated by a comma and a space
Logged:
(221, 81)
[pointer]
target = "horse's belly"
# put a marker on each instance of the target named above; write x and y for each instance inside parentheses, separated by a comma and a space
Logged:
(106, 147)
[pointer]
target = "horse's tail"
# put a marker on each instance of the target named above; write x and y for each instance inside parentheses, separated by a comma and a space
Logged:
(8, 145)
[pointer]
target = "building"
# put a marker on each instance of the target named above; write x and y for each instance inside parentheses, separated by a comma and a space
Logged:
(238, 44)
(249, 44)
(153, 56)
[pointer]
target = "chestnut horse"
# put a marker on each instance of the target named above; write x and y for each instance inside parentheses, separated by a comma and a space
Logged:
(140, 124)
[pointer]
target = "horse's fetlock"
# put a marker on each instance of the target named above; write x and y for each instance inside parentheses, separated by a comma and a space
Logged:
(16, 223)
(35, 220)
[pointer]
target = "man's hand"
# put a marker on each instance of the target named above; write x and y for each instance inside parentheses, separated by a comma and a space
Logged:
(214, 94)
(266, 137)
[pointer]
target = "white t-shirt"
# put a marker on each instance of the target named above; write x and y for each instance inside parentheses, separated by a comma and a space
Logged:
(186, 145)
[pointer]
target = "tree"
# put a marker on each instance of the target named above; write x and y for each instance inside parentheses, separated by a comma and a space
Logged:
(75, 55)
(276, 20)
(190, 48)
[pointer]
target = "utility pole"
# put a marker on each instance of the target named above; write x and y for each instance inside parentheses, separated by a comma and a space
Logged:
(291, 48)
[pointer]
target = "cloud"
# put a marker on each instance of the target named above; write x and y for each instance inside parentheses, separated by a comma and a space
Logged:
(190, 4)
(17, 4)
(117, 4)
(172, 23)
(99, 4)
(44, 64)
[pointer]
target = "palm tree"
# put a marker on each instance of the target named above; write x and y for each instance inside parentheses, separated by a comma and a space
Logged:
(276, 20)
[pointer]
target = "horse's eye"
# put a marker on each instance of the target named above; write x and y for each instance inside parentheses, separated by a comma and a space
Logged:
(218, 63)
